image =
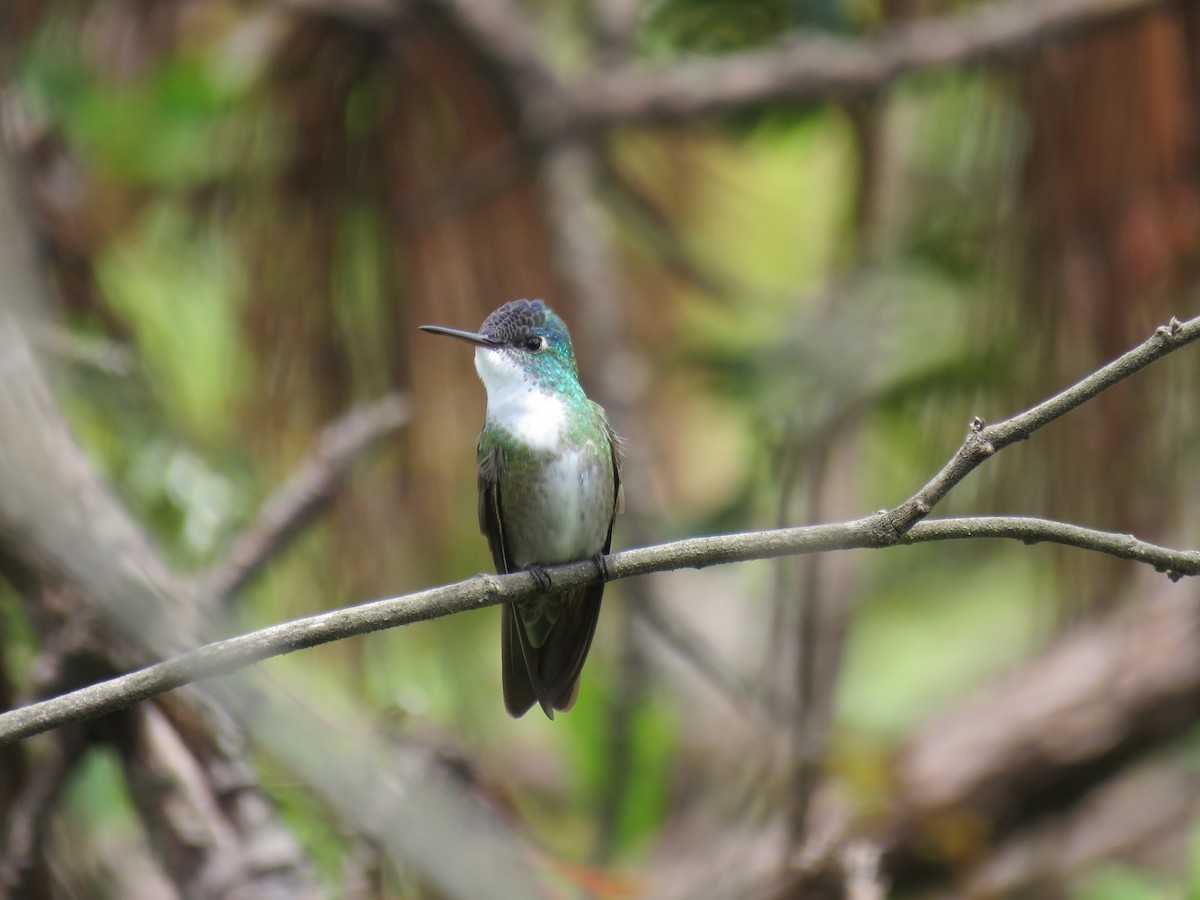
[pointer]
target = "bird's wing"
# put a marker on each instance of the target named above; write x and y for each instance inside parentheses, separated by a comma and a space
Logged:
(614, 449)
(490, 521)
(519, 692)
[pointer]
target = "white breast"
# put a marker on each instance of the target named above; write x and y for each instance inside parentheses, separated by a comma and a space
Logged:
(515, 404)
(568, 483)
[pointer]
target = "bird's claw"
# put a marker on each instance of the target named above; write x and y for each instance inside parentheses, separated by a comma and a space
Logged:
(602, 564)
(539, 575)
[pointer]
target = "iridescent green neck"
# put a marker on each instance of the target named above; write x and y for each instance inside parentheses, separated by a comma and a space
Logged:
(539, 405)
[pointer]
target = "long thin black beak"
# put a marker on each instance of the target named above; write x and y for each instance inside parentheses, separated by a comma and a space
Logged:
(471, 337)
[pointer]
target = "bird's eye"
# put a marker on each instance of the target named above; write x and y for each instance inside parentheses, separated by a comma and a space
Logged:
(536, 343)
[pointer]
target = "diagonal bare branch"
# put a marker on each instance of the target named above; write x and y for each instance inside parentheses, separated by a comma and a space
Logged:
(227, 656)
(884, 529)
(984, 440)
(312, 484)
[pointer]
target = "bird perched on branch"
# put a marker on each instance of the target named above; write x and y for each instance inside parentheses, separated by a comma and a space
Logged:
(549, 489)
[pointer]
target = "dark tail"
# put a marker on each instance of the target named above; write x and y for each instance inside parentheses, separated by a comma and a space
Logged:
(548, 674)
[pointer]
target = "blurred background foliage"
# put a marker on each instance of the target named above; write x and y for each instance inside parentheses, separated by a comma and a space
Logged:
(249, 209)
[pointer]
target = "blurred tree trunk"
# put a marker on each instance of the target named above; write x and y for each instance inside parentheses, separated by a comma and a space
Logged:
(404, 144)
(64, 541)
(1112, 195)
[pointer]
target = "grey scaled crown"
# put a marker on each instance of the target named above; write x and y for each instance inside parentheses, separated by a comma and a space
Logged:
(517, 317)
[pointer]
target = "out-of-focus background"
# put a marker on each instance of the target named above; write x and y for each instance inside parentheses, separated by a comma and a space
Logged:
(799, 245)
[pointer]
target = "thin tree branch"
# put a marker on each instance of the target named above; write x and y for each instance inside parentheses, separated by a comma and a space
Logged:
(737, 689)
(1030, 530)
(310, 486)
(818, 68)
(808, 718)
(984, 440)
(227, 656)
(883, 529)
(803, 69)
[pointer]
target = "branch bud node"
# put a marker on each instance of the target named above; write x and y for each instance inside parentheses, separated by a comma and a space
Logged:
(491, 587)
(1171, 329)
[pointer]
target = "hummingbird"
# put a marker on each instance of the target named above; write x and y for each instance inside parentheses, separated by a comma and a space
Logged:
(549, 490)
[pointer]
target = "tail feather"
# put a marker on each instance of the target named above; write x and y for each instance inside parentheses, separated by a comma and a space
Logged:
(519, 693)
(550, 673)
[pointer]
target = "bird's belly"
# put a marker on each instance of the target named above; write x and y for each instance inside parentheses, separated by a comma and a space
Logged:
(567, 509)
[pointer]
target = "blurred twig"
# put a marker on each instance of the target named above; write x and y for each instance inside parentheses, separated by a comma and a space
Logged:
(25, 827)
(808, 720)
(797, 70)
(585, 256)
(663, 239)
(1131, 679)
(204, 847)
(692, 647)
(591, 268)
(64, 541)
(312, 485)
(823, 68)
(361, 13)
(625, 698)
(100, 354)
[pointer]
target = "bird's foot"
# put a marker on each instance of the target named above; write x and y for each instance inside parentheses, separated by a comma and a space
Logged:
(539, 575)
(601, 561)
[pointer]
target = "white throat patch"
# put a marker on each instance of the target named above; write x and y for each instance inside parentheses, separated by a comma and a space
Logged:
(515, 403)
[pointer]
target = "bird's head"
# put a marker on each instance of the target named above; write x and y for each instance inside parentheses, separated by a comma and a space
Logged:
(524, 341)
